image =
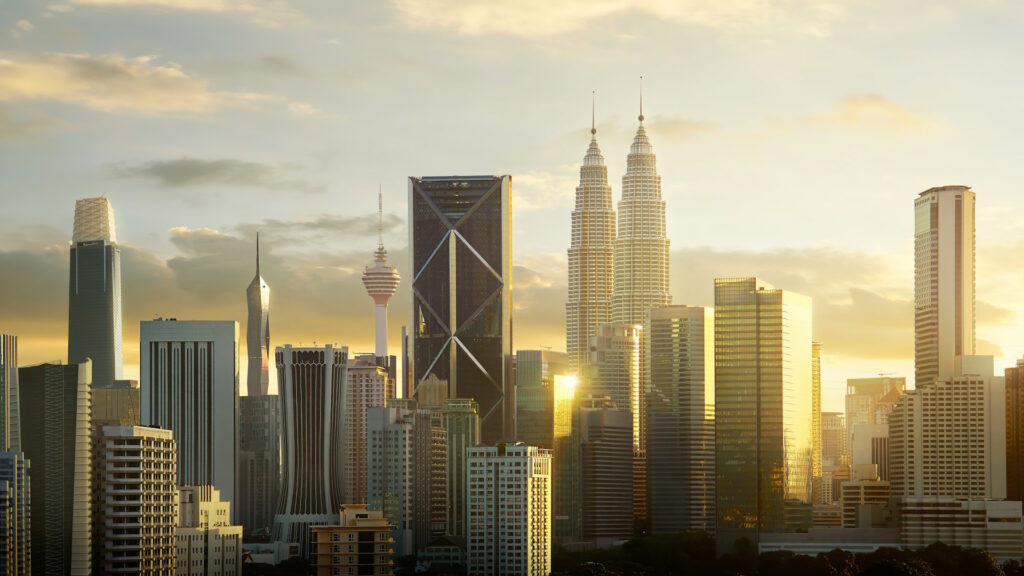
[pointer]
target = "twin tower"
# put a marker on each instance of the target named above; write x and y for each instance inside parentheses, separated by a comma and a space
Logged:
(615, 277)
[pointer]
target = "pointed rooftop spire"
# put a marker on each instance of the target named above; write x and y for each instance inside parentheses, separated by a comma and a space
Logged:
(641, 117)
(593, 126)
(380, 217)
(257, 253)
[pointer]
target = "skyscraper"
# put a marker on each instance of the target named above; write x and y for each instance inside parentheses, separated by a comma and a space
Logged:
(590, 256)
(381, 281)
(15, 515)
(606, 471)
(369, 385)
(535, 394)
(257, 332)
(10, 423)
(509, 524)
(430, 473)
(762, 409)
(943, 281)
(461, 241)
(869, 400)
(94, 302)
(641, 247)
(189, 381)
(208, 545)
(390, 469)
(56, 410)
(135, 515)
(461, 421)
(1015, 431)
(119, 403)
(680, 348)
(312, 389)
(816, 478)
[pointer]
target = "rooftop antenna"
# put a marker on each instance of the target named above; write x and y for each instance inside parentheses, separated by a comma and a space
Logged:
(257, 253)
(641, 117)
(380, 217)
(593, 129)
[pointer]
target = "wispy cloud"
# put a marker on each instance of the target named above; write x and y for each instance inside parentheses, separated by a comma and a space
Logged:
(24, 122)
(268, 13)
(540, 18)
(115, 83)
(193, 172)
(874, 113)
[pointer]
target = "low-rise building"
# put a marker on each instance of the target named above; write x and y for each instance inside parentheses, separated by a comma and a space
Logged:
(865, 490)
(208, 545)
(993, 526)
(360, 545)
(823, 540)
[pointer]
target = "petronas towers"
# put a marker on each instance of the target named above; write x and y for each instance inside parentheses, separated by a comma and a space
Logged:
(615, 278)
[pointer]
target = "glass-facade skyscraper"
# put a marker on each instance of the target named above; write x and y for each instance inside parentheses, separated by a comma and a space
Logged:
(461, 241)
(763, 405)
(10, 423)
(94, 300)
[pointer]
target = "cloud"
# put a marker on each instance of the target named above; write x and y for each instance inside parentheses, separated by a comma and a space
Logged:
(268, 13)
(115, 83)
(263, 66)
(874, 113)
(192, 172)
(677, 127)
(537, 190)
(22, 122)
(542, 18)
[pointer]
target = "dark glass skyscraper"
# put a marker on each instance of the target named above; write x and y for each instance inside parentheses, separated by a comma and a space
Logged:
(460, 236)
(10, 425)
(94, 301)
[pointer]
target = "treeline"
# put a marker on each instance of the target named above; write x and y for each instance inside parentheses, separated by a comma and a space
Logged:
(694, 554)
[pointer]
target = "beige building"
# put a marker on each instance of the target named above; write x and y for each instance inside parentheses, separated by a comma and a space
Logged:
(508, 514)
(369, 385)
(360, 544)
(864, 490)
(208, 545)
(135, 500)
(948, 439)
(993, 526)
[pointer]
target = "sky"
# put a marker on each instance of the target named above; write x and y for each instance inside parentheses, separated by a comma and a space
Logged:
(792, 137)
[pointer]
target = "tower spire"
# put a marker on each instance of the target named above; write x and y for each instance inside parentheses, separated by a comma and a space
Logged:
(593, 128)
(257, 253)
(380, 217)
(641, 117)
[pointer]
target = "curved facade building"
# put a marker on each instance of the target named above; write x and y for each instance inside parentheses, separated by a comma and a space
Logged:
(257, 332)
(312, 384)
(641, 247)
(590, 256)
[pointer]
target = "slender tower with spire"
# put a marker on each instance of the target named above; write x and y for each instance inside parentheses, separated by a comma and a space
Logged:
(381, 281)
(258, 331)
(641, 247)
(590, 254)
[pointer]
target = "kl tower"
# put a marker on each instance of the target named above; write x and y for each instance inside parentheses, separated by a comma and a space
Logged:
(381, 281)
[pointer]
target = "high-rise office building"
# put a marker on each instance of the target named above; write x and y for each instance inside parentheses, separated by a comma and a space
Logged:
(15, 515)
(312, 384)
(944, 302)
(390, 468)
(257, 332)
(135, 500)
(816, 476)
(430, 473)
(606, 471)
(118, 403)
(834, 439)
(509, 517)
(869, 445)
(369, 385)
(948, 439)
(591, 249)
(259, 462)
(680, 348)
(94, 301)
(56, 423)
(360, 542)
(1015, 431)
(762, 409)
(208, 545)
(461, 240)
(869, 400)
(460, 418)
(189, 381)
(10, 425)
(535, 394)
(381, 281)
(641, 247)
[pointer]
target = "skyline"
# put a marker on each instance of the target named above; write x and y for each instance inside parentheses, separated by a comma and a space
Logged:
(183, 172)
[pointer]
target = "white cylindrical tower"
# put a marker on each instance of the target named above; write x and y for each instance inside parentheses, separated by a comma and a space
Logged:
(381, 281)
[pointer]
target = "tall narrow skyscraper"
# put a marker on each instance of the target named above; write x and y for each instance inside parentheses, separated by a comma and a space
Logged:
(381, 281)
(257, 332)
(641, 247)
(460, 235)
(10, 423)
(590, 256)
(762, 410)
(943, 281)
(94, 301)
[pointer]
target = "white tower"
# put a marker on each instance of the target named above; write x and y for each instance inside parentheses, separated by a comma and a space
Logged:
(381, 281)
